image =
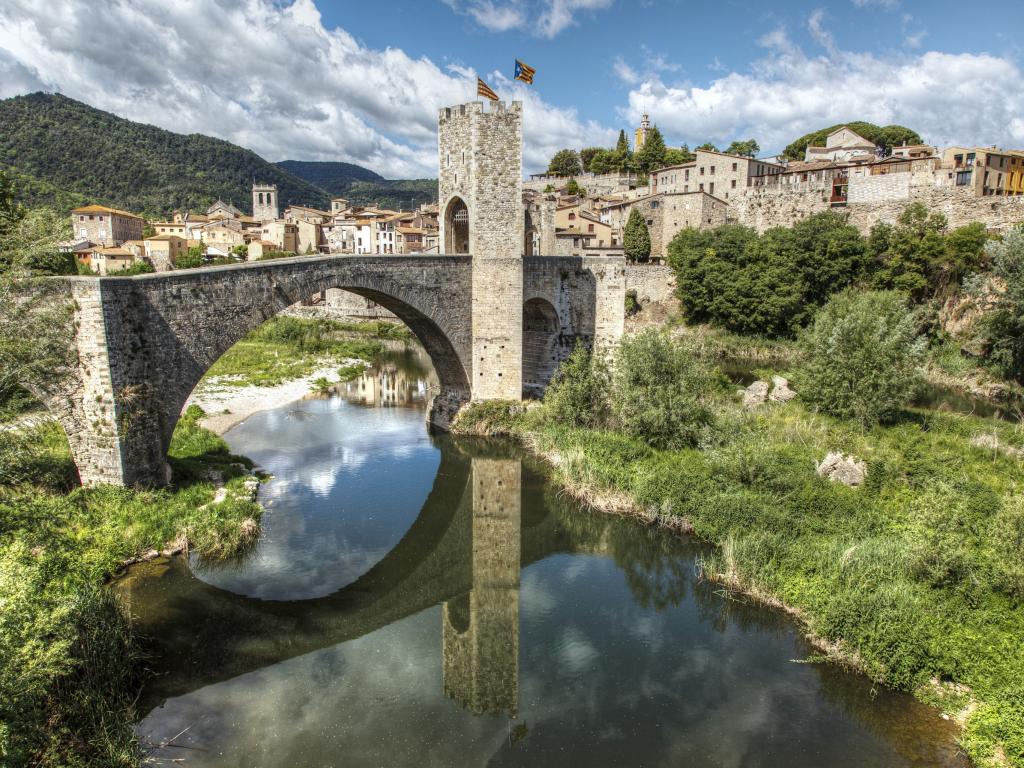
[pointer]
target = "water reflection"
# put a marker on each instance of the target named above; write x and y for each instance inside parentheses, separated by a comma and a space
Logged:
(467, 613)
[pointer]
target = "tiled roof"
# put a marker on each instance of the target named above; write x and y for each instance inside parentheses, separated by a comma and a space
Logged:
(104, 209)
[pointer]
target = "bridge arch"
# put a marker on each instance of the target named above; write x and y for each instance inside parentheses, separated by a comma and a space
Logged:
(159, 334)
(543, 350)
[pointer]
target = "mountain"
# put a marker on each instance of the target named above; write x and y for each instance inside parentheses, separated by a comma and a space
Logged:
(63, 152)
(363, 187)
(334, 178)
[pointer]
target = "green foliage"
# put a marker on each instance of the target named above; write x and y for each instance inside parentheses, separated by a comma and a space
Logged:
(578, 393)
(770, 284)
(622, 144)
(887, 136)
(863, 357)
(587, 155)
(76, 150)
(661, 391)
(393, 194)
(270, 255)
(572, 188)
(1004, 324)
(707, 146)
(632, 303)
(651, 156)
(139, 267)
(636, 239)
(193, 258)
(549, 189)
(565, 162)
(680, 156)
(285, 348)
(748, 148)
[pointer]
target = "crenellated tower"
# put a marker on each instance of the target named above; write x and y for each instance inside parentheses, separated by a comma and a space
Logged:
(265, 203)
(480, 184)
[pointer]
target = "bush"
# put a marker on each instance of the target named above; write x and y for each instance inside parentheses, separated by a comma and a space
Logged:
(578, 393)
(1007, 538)
(661, 391)
(863, 357)
(1004, 325)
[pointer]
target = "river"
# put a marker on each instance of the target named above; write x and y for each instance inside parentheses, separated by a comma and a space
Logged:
(422, 601)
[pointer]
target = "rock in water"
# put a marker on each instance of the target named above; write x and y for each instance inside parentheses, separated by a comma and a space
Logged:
(840, 468)
(781, 393)
(755, 394)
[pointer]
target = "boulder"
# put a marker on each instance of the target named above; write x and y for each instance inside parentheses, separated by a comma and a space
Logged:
(840, 468)
(755, 394)
(781, 393)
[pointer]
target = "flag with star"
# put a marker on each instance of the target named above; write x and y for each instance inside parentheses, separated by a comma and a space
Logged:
(524, 73)
(483, 89)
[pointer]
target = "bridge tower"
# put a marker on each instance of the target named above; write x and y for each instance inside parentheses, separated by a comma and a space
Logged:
(480, 193)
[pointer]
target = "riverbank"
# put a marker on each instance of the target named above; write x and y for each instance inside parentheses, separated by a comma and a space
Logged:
(914, 577)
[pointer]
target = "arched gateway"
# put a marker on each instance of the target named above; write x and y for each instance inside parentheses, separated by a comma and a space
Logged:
(144, 342)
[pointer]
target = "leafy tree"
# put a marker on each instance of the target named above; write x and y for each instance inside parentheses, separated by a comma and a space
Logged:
(573, 188)
(565, 163)
(748, 148)
(863, 356)
(885, 136)
(549, 189)
(587, 156)
(911, 252)
(662, 391)
(578, 393)
(651, 155)
(192, 259)
(636, 240)
(675, 156)
(1004, 324)
(707, 146)
(148, 230)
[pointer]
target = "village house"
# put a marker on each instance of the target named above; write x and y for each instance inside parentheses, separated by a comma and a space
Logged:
(986, 170)
(169, 228)
(842, 144)
(576, 220)
(106, 260)
(163, 250)
(283, 235)
(105, 226)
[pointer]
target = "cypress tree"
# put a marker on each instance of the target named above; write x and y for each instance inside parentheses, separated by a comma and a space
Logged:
(636, 240)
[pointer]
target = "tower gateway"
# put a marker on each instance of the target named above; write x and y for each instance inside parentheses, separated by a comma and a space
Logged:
(264, 202)
(480, 182)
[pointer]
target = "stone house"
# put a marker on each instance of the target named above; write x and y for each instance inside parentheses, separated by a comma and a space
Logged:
(667, 214)
(169, 228)
(576, 220)
(163, 250)
(409, 239)
(842, 144)
(986, 170)
(717, 173)
(106, 260)
(284, 235)
(222, 236)
(105, 226)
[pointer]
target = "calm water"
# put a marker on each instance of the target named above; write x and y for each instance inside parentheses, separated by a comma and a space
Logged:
(426, 602)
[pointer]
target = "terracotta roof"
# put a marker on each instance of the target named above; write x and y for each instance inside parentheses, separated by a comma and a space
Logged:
(163, 238)
(114, 252)
(104, 209)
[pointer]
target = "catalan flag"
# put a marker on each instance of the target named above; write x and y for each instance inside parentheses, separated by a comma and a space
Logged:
(524, 72)
(483, 89)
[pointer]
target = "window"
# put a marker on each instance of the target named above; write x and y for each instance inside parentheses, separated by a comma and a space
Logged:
(712, 171)
(701, 187)
(702, 170)
(734, 183)
(963, 178)
(590, 228)
(711, 188)
(686, 175)
(686, 187)
(572, 217)
(735, 166)
(654, 204)
(81, 218)
(650, 222)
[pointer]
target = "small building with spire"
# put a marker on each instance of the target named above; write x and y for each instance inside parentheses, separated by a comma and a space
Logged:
(641, 133)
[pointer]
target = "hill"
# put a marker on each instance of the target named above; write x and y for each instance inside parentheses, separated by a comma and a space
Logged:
(362, 186)
(61, 151)
(886, 136)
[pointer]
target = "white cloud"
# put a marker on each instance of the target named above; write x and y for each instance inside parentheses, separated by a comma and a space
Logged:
(261, 74)
(545, 18)
(948, 98)
(877, 3)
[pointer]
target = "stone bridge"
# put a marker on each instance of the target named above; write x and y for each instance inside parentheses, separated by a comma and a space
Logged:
(496, 324)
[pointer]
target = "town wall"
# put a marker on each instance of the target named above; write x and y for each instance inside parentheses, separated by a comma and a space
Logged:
(595, 184)
(653, 283)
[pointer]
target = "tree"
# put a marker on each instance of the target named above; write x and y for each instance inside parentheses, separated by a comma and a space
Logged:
(573, 188)
(1004, 324)
(662, 391)
(863, 356)
(748, 148)
(707, 146)
(565, 163)
(193, 258)
(651, 156)
(148, 230)
(578, 394)
(622, 145)
(675, 156)
(548, 189)
(636, 240)
(909, 253)
(587, 156)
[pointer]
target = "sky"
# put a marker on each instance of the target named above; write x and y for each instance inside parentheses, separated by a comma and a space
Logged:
(362, 81)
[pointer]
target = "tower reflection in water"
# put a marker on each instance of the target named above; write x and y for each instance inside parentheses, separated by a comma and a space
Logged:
(481, 627)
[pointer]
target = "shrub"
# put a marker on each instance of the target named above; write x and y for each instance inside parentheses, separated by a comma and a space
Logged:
(632, 303)
(1004, 325)
(863, 356)
(1007, 538)
(578, 393)
(661, 391)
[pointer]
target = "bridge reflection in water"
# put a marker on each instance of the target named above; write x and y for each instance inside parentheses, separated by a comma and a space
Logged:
(464, 551)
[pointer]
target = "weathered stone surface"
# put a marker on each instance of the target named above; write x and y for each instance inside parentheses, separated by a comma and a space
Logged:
(755, 394)
(781, 393)
(840, 468)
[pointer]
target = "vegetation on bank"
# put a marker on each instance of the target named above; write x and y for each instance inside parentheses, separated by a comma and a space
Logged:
(69, 664)
(916, 577)
(286, 348)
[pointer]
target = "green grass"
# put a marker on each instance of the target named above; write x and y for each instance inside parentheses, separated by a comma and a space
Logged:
(69, 664)
(286, 348)
(919, 573)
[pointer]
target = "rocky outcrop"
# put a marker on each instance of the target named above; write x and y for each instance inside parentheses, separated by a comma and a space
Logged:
(758, 392)
(755, 394)
(781, 393)
(840, 468)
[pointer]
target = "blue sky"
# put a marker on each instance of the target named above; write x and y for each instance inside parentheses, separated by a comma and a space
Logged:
(362, 81)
